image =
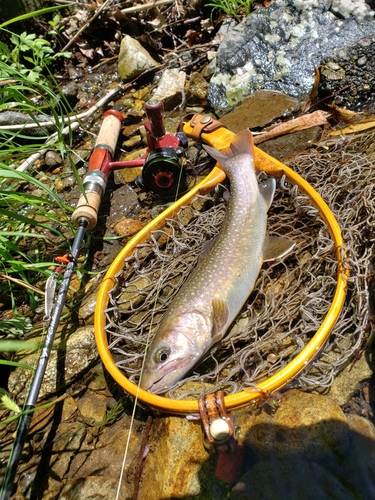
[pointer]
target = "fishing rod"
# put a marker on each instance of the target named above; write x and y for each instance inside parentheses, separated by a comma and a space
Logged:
(84, 217)
(162, 173)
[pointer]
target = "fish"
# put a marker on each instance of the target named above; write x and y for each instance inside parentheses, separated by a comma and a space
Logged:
(208, 302)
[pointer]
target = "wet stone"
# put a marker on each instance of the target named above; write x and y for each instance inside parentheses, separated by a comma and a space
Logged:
(355, 90)
(93, 408)
(128, 227)
(66, 443)
(169, 89)
(308, 425)
(259, 110)
(176, 465)
(290, 480)
(72, 357)
(133, 59)
(286, 146)
(350, 380)
(124, 203)
(278, 47)
(94, 488)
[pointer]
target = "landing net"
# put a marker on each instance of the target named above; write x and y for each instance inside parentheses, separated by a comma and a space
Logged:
(290, 298)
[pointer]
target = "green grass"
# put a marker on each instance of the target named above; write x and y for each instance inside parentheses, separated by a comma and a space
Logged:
(233, 8)
(31, 227)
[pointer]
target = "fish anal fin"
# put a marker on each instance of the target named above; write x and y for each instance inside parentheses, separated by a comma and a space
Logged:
(220, 318)
(267, 190)
(276, 247)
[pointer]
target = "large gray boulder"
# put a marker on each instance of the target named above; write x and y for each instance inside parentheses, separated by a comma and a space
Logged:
(277, 48)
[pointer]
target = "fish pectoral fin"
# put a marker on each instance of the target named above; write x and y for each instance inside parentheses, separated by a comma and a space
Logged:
(267, 190)
(220, 318)
(276, 247)
(207, 245)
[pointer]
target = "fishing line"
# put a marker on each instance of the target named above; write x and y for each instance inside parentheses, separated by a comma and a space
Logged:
(157, 294)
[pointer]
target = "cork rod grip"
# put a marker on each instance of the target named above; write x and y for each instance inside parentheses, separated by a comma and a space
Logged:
(109, 131)
(87, 208)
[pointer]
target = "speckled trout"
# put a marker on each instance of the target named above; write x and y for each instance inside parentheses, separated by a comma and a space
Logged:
(208, 302)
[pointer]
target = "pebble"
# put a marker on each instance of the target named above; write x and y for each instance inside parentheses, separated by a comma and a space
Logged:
(128, 227)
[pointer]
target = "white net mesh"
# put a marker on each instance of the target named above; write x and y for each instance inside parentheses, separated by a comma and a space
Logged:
(290, 298)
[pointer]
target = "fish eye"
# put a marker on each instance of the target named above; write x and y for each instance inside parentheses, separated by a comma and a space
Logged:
(161, 354)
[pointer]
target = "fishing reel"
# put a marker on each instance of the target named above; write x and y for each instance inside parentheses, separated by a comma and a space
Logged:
(163, 172)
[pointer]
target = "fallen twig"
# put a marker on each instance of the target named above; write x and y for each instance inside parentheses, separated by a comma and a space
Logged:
(34, 157)
(301, 123)
(82, 29)
(145, 6)
(21, 283)
(69, 119)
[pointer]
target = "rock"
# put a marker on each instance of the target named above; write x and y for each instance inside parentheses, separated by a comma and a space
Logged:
(307, 425)
(87, 308)
(134, 293)
(290, 480)
(69, 408)
(176, 465)
(197, 90)
(259, 110)
(277, 48)
(18, 118)
(53, 159)
(170, 89)
(66, 363)
(94, 488)
(96, 380)
(362, 476)
(307, 445)
(67, 442)
(134, 141)
(350, 70)
(93, 408)
(128, 227)
(286, 146)
(133, 59)
(350, 380)
(105, 458)
(124, 203)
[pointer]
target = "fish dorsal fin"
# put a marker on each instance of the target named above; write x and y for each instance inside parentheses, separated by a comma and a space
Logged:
(276, 247)
(220, 318)
(267, 190)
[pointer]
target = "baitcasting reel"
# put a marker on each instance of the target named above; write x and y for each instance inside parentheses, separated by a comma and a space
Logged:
(163, 172)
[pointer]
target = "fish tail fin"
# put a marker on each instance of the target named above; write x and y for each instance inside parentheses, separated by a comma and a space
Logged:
(242, 144)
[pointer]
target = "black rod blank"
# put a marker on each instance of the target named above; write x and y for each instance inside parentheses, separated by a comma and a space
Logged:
(24, 423)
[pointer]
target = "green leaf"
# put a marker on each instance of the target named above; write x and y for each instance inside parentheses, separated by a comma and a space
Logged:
(36, 13)
(16, 326)
(15, 364)
(18, 345)
(4, 50)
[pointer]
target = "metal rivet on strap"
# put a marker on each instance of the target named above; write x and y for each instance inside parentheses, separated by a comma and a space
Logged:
(206, 119)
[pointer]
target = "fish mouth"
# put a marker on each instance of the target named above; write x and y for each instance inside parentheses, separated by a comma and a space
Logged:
(166, 377)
